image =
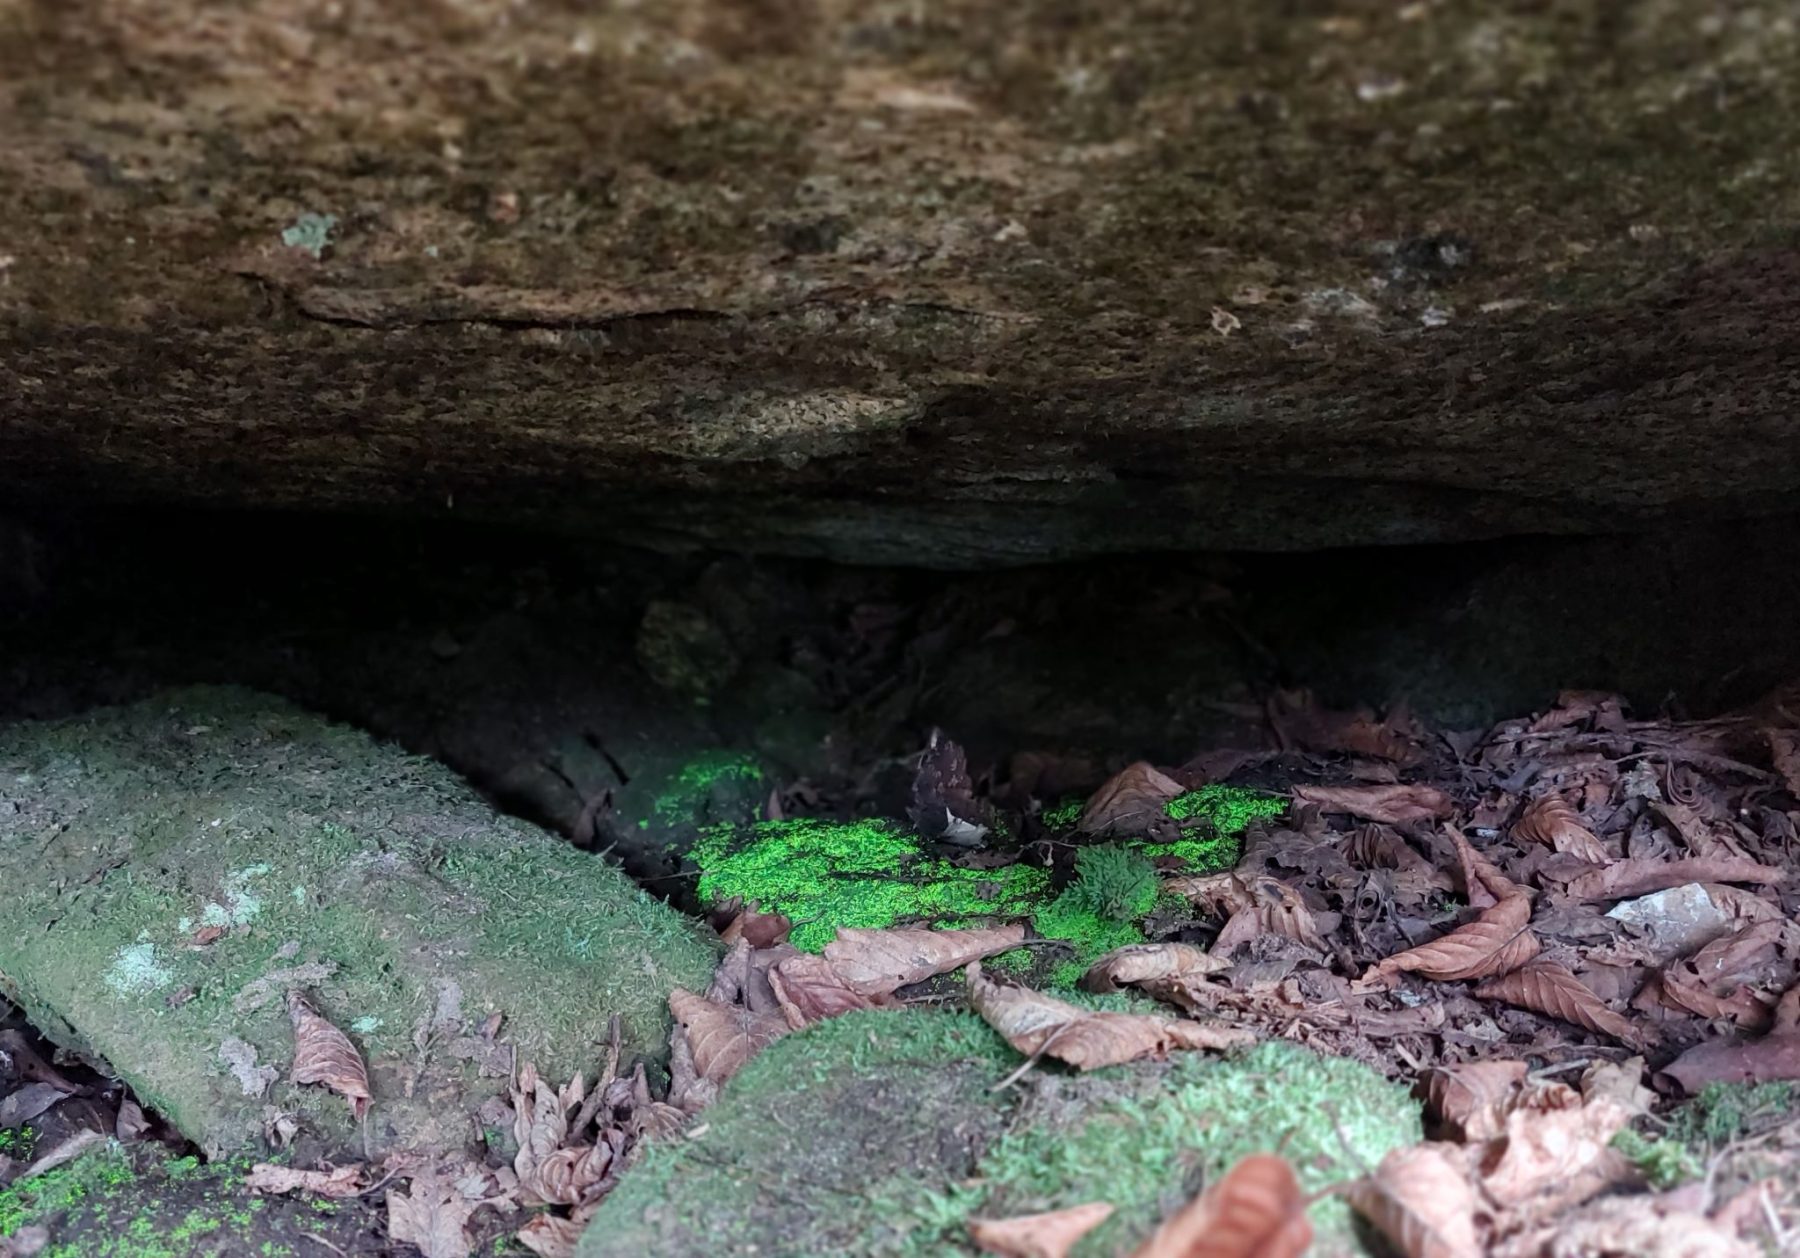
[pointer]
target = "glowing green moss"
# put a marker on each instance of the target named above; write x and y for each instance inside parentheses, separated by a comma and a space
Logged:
(1213, 822)
(1070, 916)
(688, 790)
(823, 875)
(1064, 815)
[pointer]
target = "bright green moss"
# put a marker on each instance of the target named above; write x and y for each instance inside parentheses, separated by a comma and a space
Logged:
(1064, 814)
(1115, 882)
(1071, 917)
(1663, 1163)
(1213, 822)
(824, 875)
(1722, 1112)
(688, 790)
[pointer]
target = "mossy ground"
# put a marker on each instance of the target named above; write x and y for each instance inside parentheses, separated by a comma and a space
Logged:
(880, 1133)
(330, 862)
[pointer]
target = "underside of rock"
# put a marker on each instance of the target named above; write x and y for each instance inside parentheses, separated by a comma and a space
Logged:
(940, 284)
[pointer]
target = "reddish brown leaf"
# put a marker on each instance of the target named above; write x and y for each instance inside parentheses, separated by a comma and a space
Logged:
(1255, 1211)
(1555, 1142)
(1084, 1038)
(1421, 1199)
(1552, 820)
(1394, 804)
(1275, 909)
(723, 1037)
(1784, 752)
(1048, 1235)
(323, 1054)
(1547, 987)
(433, 1215)
(758, 929)
(1496, 941)
(809, 989)
(1146, 963)
(876, 962)
(1470, 1101)
(1130, 802)
(1627, 878)
(330, 1181)
(549, 1236)
(1774, 1056)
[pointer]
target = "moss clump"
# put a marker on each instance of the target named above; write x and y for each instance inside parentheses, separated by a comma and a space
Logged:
(1114, 882)
(1664, 1163)
(824, 875)
(688, 790)
(1064, 814)
(1213, 820)
(1722, 1112)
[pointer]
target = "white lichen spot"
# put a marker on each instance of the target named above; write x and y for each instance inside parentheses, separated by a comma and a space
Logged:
(184, 924)
(1434, 317)
(1224, 322)
(368, 1024)
(310, 233)
(239, 906)
(1379, 87)
(299, 894)
(136, 971)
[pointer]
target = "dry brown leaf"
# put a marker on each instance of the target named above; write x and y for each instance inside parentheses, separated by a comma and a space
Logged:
(1626, 878)
(540, 1119)
(1547, 987)
(1470, 1101)
(1784, 752)
(1216, 895)
(1130, 802)
(1552, 820)
(1275, 909)
(1395, 804)
(1146, 963)
(323, 1054)
(1773, 1057)
(568, 1177)
(433, 1215)
(1047, 1235)
(1256, 1211)
(1495, 942)
(723, 1037)
(1556, 1143)
(1084, 1038)
(1421, 1199)
(758, 929)
(809, 989)
(1632, 1226)
(330, 1181)
(551, 1236)
(877, 962)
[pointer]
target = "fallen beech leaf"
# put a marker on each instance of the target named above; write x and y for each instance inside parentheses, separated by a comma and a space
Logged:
(1130, 802)
(1395, 804)
(1556, 1142)
(1256, 1211)
(1217, 895)
(1084, 1038)
(1547, 987)
(431, 1215)
(1421, 1199)
(758, 929)
(810, 989)
(723, 1037)
(1470, 1101)
(331, 1181)
(540, 1119)
(551, 1236)
(877, 962)
(1626, 878)
(1552, 820)
(1275, 909)
(1774, 1056)
(1145, 963)
(1496, 941)
(571, 1176)
(1047, 1235)
(324, 1054)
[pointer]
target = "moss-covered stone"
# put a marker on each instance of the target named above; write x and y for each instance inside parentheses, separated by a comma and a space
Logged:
(879, 1133)
(173, 867)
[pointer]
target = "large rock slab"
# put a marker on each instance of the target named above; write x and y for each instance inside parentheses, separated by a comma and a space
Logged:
(882, 1133)
(175, 867)
(942, 283)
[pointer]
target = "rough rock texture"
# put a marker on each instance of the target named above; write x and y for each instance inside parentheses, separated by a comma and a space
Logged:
(942, 282)
(174, 868)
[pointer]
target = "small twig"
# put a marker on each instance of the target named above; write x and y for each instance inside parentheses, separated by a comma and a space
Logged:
(591, 1105)
(1029, 1062)
(308, 1236)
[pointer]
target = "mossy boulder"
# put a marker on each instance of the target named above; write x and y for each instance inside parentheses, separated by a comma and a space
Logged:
(881, 1133)
(176, 866)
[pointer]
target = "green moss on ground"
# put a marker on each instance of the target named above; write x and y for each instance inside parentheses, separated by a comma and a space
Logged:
(329, 862)
(1213, 820)
(890, 1138)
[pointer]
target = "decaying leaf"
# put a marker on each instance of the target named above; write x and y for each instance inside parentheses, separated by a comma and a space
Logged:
(1394, 803)
(433, 1214)
(723, 1037)
(943, 804)
(540, 1119)
(1130, 802)
(1084, 1038)
(1772, 1057)
(571, 1176)
(1275, 909)
(1547, 987)
(1552, 820)
(1643, 1229)
(1149, 963)
(1421, 1199)
(329, 1181)
(1470, 1101)
(809, 989)
(1556, 1144)
(1498, 940)
(1623, 879)
(1047, 1235)
(323, 1054)
(877, 962)
(551, 1236)
(1255, 1211)
(758, 929)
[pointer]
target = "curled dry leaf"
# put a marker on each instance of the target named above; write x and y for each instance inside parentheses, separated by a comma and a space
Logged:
(1630, 1225)
(1255, 1211)
(758, 929)
(330, 1181)
(877, 962)
(1275, 909)
(540, 1119)
(433, 1214)
(1148, 963)
(1623, 879)
(551, 1236)
(323, 1054)
(1047, 1235)
(1130, 802)
(569, 1177)
(1084, 1038)
(1556, 1143)
(1545, 986)
(723, 1037)
(1495, 942)
(1394, 804)
(1552, 820)
(810, 989)
(1421, 1199)
(1470, 1101)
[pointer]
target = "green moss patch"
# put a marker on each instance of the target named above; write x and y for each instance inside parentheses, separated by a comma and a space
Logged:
(1213, 820)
